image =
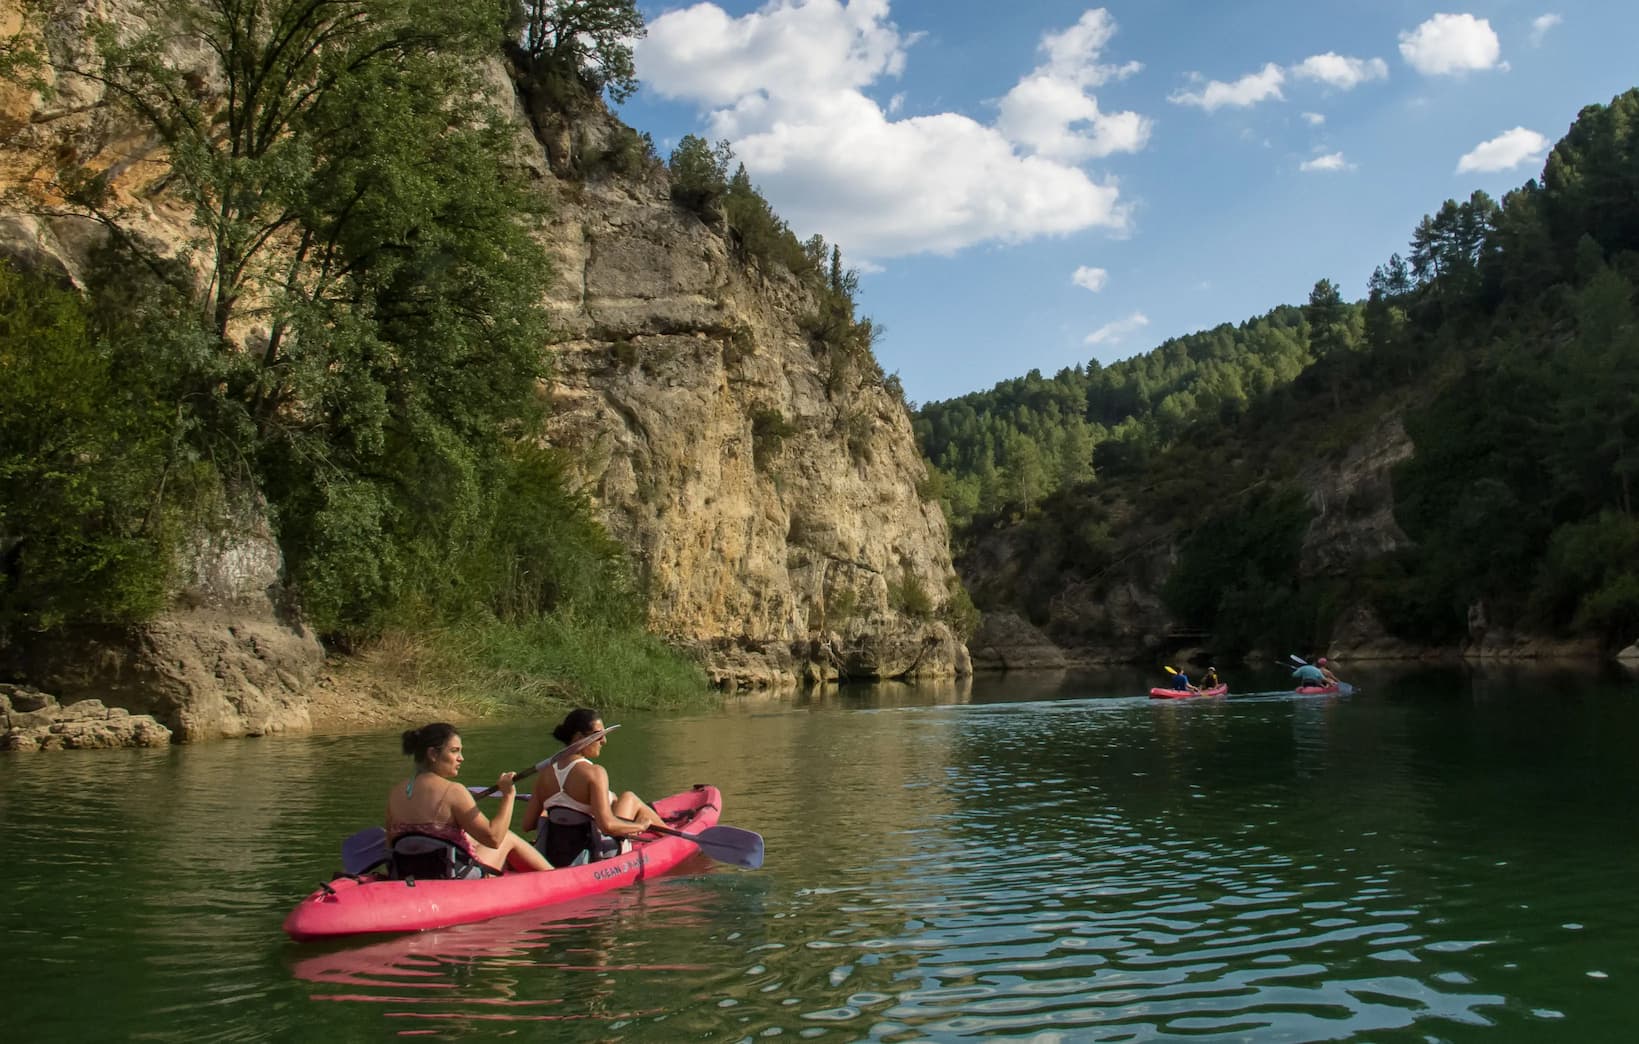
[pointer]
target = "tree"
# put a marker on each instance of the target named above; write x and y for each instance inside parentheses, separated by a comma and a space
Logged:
(699, 172)
(367, 325)
(588, 39)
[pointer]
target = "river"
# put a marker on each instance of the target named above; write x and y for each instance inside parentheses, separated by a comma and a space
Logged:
(1443, 855)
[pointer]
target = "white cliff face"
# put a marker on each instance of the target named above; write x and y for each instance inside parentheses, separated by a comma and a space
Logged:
(766, 490)
(766, 487)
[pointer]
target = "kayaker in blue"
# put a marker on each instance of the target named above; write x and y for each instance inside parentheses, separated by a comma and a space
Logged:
(573, 806)
(1309, 674)
(1180, 681)
(433, 805)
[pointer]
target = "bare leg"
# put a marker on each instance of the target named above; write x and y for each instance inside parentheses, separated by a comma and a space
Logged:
(515, 853)
(630, 806)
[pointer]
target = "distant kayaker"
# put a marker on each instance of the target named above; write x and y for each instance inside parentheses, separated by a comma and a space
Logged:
(1210, 680)
(1309, 674)
(432, 804)
(1180, 681)
(1326, 672)
(574, 797)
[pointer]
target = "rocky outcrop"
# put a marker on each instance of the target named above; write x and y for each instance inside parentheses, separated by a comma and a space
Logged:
(765, 483)
(1353, 503)
(33, 720)
(1007, 641)
(223, 661)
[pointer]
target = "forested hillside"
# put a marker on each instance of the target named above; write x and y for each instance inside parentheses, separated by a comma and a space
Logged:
(1505, 341)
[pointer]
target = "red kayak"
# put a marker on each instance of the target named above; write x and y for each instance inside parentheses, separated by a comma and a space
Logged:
(1317, 690)
(1183, 694)
(370, 903)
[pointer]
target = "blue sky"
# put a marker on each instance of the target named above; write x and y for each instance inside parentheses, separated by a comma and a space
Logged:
(1036, 183)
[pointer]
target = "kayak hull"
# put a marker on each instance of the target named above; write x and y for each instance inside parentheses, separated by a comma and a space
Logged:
(1178, 694)
(1317, 690)
(372, 904)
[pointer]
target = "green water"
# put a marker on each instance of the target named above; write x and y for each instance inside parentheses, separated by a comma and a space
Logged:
(1441, 856)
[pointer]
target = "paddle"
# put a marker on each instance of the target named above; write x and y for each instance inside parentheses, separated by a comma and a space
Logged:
(367, 849)
(725, 844)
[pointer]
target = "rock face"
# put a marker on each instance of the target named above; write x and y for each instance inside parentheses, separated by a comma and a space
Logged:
(223, 661)
(766, 485)
(766, 488)
(33, 720)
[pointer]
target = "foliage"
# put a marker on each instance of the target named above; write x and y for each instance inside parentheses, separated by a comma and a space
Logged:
(960, 612)
(363, 351)
(561, 659)
(1006, 450)
(1506, 338)
(769, 430)
(1237, 569)
(910, 596)
(86, 513)
(699, 173)
(587, 40)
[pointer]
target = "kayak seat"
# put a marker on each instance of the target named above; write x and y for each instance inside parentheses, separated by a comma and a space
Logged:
(569, 837)
(429, 858)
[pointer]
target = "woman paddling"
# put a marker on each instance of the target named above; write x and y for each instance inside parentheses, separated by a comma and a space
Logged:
(430, 803)
(574, 797)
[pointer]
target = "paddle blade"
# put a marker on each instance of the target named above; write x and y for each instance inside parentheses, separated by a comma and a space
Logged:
(726, 844)
(1169, 670)
(1345, 688)
(364, 851)
(1295, 658)
(743, 848)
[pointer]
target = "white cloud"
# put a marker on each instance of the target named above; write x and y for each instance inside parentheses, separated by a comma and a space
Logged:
(1248, 90)
(1315, 119)
(1448, 44)
(1330, 161)
(1091, 278)
(1050, 111)
(1114, 333)
(786, 85)
(1540, 26)
(1341, 72)
(1504, 152)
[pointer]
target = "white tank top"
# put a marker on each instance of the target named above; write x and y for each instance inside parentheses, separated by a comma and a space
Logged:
(561, 799)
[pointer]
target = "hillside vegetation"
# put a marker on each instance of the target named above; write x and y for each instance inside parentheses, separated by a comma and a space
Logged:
(1505, 339)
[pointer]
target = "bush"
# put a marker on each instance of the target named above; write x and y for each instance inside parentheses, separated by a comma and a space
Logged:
(89, 490)
(909, 596)
(769, 430)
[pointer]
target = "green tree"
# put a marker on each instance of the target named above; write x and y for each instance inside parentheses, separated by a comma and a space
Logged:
(368, 324)
(590, 40)
(84, 519)
(699, 173)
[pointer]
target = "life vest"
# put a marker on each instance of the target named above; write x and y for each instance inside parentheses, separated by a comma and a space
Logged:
(570, 837)
(430, 857)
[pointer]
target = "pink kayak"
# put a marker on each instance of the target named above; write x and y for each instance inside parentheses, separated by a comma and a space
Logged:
(370, 903)
(1317, 690)
(1181, 694)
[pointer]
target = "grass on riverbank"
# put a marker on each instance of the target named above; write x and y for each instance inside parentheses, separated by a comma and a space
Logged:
(492, 668)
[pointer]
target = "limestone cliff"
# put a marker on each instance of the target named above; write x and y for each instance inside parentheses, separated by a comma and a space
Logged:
(765, 484)
(767, 490)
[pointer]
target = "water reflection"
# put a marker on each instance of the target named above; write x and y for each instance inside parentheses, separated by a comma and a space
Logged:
(1445, 854)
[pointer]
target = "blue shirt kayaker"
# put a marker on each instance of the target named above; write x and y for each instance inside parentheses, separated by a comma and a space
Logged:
(1309, 674)
(1180, 681)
